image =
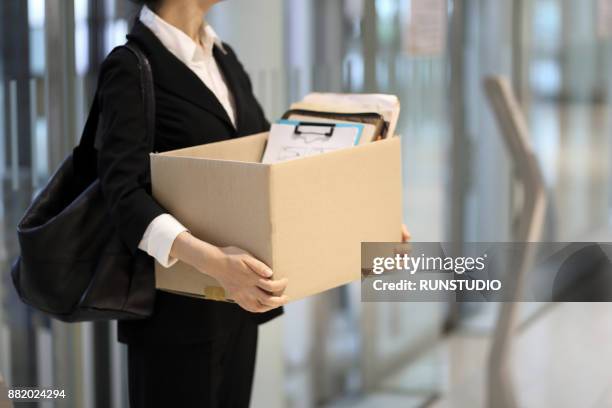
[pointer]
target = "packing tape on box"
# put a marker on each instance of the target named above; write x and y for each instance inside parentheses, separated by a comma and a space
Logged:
(214, 293)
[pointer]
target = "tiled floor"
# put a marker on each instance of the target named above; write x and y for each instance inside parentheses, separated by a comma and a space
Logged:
(381, 400)
(562, 360)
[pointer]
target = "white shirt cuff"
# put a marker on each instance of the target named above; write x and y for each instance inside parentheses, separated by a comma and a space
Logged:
(158, 239)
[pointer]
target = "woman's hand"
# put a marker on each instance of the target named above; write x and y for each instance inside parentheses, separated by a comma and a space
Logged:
(406, 236)
(245, 279)
(248, 281)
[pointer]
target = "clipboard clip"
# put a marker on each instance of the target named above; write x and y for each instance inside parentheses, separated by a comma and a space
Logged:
(330, 133)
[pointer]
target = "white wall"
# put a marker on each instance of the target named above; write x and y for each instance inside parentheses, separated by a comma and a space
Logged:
(255, 30)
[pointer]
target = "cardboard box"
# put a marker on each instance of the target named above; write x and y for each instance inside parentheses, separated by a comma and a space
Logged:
(305, 218)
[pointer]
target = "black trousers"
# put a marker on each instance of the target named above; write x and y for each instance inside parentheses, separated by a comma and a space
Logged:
(209, 374)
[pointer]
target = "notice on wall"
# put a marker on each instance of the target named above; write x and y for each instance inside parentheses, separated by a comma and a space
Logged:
(427, 27)
(604, 19)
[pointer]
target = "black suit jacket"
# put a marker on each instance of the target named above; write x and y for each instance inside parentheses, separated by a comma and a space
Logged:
(187, 114)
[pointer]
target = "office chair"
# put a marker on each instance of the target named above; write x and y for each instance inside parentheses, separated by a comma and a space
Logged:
(513, 127)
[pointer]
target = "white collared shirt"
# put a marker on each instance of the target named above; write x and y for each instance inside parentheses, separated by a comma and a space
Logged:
(162, 231)
(198, 58)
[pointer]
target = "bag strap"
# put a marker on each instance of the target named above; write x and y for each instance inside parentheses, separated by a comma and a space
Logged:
(91, 136)
(147, 88)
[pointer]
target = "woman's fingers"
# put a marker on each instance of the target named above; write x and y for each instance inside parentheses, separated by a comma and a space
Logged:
(405, 233)
(265, 301)
(258, 301)
(271, 302)
(273, 286)
(258, 267)
(250, 304)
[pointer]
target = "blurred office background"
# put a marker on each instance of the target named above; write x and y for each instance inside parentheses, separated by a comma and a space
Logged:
(459, 185)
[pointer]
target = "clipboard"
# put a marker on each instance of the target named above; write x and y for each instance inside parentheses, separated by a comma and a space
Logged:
(372, 120)
(294, 139)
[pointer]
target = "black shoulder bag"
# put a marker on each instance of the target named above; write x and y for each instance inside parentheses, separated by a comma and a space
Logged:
(73, 265)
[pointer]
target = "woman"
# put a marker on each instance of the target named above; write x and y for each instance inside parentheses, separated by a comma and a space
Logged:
(191, 352)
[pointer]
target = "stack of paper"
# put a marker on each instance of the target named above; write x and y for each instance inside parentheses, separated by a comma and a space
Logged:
(324, 122)
(386, 105)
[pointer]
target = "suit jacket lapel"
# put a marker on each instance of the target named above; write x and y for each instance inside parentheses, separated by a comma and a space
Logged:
(232, 80)
(171, 74)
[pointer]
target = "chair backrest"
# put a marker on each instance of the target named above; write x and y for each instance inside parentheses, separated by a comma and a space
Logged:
(513, 127)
